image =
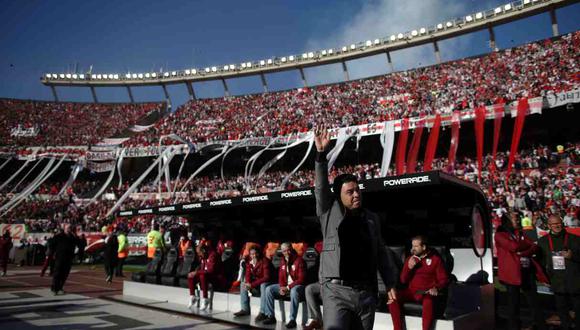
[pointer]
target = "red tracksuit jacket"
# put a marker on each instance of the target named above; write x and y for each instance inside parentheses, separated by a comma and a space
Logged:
(508, 261)
(256, 275)
(428, 273)
(297, 272)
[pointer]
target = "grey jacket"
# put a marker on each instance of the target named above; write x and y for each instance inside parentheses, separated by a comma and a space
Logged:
(330, 214)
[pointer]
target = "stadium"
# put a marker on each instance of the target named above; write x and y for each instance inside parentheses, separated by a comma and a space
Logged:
(461, 135)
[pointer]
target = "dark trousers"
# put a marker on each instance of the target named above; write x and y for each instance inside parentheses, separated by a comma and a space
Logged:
(120, 263)
(347, 308)
(109, 268)
(565, 302)
(530, 291)
(60, 274)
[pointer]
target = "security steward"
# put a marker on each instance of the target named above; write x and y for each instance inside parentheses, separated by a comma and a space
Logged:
(353, 249)
(154, 241)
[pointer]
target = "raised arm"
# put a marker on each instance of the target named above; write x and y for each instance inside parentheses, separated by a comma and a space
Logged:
(321, 184)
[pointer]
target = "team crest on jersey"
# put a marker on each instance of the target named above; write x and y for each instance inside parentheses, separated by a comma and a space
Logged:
(428, 261)
(293, 267)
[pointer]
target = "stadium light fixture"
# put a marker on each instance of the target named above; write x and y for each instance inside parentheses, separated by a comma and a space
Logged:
(111, 76)
(187, 72)
(101, 77)
(226, 68)
(270, 62)
(134, 76)
(61, 76)
(166, 74)
(153, 74)
(249, 64)
(291, 58)
(262, 62)
(243, 65)
(330, 51)
(479, 15)
(439, 26)
(47, 76)
(213, 69)
(352, 47)
(54, 76)
(174, 73)
(93, 76)
(393, 38)
(116, 76)
(344, 48)
(304, 56)
(68, 76)
(140, 76)
(527, 2)
(377, 41)
(400, 36)
(414, 33)
(497, 10)
(81, 76)
(422, 30)
(232, 66)
(193, 71)
(283, 59)
(368, 43)
(147, 75)
(468, 18)
(207, 70)
(449, 24)
(507, 7)
(128, 76)
(311, 55)
(323, 52)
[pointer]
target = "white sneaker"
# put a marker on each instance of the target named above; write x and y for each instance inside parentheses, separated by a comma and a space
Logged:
(192, 301)
(204, 304)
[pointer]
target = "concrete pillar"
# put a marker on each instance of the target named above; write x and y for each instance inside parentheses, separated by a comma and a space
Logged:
(345, 71)
(491, 38)
(303, 77)
(390, 62)
(190, 90)
(94, 94)
(437, 53)
(54, 94)
(226, 90)
(130, 94)
(264, 83)
(554, 20)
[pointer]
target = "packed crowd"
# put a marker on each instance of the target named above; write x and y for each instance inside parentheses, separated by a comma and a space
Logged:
(528, 71)
(38, 123)
(546, 181)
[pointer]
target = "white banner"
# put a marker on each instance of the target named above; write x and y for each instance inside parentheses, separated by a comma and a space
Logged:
(555, 100)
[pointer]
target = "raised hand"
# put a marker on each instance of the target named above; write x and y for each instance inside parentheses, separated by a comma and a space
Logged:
(321, 138)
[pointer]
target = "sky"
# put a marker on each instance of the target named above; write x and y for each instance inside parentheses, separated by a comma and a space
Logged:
(40, 36)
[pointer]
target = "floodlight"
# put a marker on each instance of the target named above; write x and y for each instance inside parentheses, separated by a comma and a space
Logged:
(140, 76)
(468, 18)
(526, 2)
(330, 51)
(68, 76)
(47, 76)
(243, 65)
(111, 76)
(193, 71)
(291, 58)
(304, 55)
(174, 73)
(507, 7)
(352, 46)
(226, 68)
(323, 52)
(166, 74)
(283, 59)
(393, 38)
(310, 55)
(422, 30)
(128, 76)
(75, 76)
(116, 76)
(449, 24)
(54, 76)
(81, 76)
(400, 36)
(134, 76)
(270, 61)
(479, 15)
(147, 75)
(344, 49)
(61, 76)
(368, 43)
(497, 10)
(439, 26)
(377, 41)
(262, 62)
(153, 74)
(187, 71)
(414, 33)
(249, 64)
(93, 76)
(232, 66)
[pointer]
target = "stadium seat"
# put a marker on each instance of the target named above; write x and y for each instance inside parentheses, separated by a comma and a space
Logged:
(153, 272)
(169, 268)
(270, 249)
(186, 265)
(312, 260)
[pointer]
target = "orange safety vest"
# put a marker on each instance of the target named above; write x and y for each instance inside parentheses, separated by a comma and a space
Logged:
(183, 246)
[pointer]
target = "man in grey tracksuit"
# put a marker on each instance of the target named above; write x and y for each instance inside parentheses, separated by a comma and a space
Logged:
(353, 250)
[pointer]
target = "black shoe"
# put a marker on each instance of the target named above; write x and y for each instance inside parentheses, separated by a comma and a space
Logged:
(241, 313)
(260, 317)
(291, 324)
(270, 320)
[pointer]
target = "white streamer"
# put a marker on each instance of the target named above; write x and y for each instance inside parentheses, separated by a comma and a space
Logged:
(202, 167)
(14, 175)
(310, 144)
(387, 141)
